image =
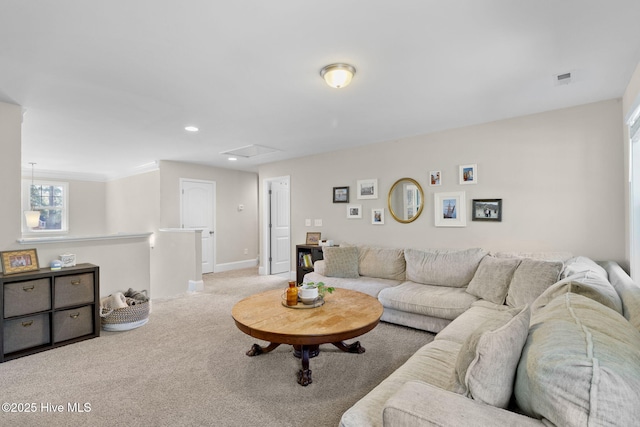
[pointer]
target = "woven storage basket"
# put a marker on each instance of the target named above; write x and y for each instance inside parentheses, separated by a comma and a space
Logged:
(123, 319)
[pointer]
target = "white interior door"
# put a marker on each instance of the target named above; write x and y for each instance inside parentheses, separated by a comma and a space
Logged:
(198, 200)
(279, 225)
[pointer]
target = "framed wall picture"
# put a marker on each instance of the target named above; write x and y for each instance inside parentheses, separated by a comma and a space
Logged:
(354, 211)
(469, 174)
(367, 188)
(19, 261)
(340, 194)
(313, 238)
(487, 210)
(450, 209)
(377, 216)
(435, 178)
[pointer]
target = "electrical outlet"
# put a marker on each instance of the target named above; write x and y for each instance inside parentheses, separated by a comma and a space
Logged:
(246, 251)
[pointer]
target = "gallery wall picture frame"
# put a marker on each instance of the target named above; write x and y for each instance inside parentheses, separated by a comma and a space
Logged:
(354, 211)
(468, 174)
(367, 188)
(377, 216)
(450, 209)
(435, 178)
(19, 261)
(340, 194)
(313, 238)
(486, 210)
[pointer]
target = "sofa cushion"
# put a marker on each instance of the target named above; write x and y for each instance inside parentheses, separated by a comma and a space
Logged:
(588, 284)
(462, 326)
(436, 301)
(582, 264)
(531, 278)
(368, 285)
(487, 362)
(382, 263)
(443, 268)
(492, 279)
(341, 261)
(580, 365)
(433, 363)
(542, 256)
(628, 290)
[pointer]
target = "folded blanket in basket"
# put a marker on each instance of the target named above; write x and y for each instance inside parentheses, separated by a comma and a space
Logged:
(114, 301)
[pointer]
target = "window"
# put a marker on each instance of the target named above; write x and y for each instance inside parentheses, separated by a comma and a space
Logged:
(51, 199)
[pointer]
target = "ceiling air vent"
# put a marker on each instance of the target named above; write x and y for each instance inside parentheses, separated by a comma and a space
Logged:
(250, 151)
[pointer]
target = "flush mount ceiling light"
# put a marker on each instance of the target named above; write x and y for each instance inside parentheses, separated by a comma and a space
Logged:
(191, 129)
(338, 75)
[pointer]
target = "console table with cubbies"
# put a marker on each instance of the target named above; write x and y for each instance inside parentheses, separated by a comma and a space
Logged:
(44, 309)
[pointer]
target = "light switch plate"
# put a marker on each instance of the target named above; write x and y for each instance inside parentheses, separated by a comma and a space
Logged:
(307, 222)
(317, 222)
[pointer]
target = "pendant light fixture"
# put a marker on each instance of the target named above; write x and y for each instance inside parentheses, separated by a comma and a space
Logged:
(32, 217)
(338, 75)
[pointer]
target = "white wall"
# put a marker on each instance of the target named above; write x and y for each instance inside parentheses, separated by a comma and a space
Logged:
(235, 230)
(133, 203)
(559, 174)
(10, 141)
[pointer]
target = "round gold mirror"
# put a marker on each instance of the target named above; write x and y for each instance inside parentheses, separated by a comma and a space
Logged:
(406, 200)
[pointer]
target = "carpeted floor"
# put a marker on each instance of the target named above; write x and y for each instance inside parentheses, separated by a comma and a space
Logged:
(187, 367)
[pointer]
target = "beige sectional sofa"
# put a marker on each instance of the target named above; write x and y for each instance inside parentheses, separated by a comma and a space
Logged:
(522, 339)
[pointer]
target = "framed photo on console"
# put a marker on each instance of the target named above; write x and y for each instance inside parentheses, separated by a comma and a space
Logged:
(313, 238)
(19, 261)
(487, 210)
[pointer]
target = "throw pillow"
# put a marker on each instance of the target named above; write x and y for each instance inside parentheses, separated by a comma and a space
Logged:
(443, 268)
(381, 263)
(531, 279)
(487, 362)
(492, 279)
(341, 261)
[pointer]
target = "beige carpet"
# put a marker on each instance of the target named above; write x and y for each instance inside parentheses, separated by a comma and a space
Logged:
(187, 367)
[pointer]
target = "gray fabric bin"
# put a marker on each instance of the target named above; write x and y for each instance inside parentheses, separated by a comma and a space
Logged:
(68, 324)
(26, 332)
(73, 290)
(27, 297)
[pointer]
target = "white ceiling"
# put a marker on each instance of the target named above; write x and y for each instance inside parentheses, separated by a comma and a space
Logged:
(108, 86)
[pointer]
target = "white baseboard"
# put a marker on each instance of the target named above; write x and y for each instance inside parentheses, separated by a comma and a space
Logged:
(235, 265)
(196, 285)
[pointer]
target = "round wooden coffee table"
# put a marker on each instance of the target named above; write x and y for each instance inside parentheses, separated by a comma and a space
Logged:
(345, 314)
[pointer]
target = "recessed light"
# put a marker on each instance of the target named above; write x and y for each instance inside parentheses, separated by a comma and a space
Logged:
(191, 129)
(233, 159)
